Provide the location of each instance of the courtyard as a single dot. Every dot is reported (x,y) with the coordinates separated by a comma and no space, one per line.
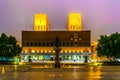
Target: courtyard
(69,72)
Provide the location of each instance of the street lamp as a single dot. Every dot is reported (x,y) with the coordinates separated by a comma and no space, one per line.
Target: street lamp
(57,49)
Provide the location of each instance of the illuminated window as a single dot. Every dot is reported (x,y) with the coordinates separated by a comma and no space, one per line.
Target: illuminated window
(49,51)
(69,51)
(41,51)
(81,51)
(26,51)
(45,51)
(53,51)
(33,51)
(65,51)
(75,39)
(61,51)
(37,51)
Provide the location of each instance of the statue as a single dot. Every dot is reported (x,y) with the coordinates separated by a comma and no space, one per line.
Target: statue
(86,55)
(56,43)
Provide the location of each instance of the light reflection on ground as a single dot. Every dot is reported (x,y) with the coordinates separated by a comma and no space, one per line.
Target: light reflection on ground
(36,72)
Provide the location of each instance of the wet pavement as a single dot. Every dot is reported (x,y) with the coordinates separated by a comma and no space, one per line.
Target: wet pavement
(36,72)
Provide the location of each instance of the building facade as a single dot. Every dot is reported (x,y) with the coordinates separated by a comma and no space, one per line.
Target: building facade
(74,43)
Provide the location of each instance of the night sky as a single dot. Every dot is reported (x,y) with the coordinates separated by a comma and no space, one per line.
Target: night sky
(99,16)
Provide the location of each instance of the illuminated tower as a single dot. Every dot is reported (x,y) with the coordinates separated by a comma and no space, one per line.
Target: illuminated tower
(41,22)
(74,22)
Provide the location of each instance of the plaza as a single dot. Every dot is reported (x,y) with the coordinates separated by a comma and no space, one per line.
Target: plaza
(80,72)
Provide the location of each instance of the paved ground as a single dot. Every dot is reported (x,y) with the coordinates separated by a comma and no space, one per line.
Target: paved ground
(36,72)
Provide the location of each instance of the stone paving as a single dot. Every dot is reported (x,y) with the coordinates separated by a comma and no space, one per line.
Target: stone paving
(36,72)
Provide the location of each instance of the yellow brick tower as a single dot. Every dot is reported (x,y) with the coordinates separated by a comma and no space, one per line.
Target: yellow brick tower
(74,22)
(41,22)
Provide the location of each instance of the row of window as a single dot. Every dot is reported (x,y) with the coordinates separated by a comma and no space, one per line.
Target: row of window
(45,51)
(41,27)
(50,44)
(75,27)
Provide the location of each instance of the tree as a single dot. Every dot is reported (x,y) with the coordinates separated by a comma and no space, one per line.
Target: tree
(9,47)
(109,46)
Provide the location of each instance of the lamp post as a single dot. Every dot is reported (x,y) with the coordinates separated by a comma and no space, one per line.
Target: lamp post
(57,49)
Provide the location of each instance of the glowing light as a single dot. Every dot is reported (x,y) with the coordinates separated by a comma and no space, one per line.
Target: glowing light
(37,51)
(26,51)
(65,51)
(41,51)
(81,51)
(61,51)
(69,51)
(49,51)
(33,51)
(53,51)
(45,51)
